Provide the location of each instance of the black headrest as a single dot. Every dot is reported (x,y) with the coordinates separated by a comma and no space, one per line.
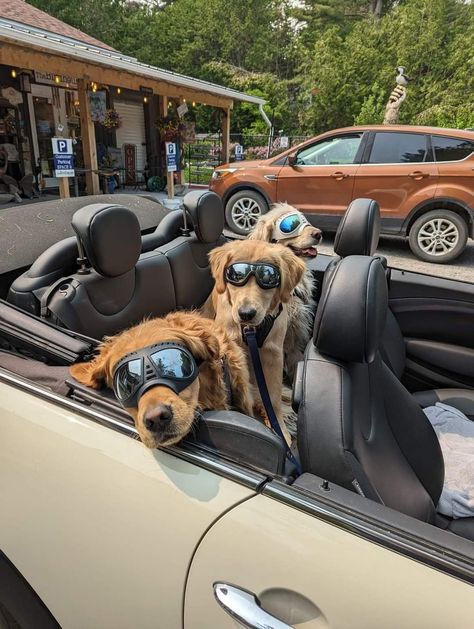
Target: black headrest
(351,314)
(359,230)
(207,214)
(110,235)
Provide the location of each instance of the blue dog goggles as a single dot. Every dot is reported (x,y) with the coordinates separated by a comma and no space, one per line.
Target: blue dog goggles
(168,364)
(289,225)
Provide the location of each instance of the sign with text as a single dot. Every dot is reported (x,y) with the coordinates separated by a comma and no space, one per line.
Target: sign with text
(182,110)
(130,159)
(239,152)
(284,142)
(171,157)
(63,157)
(60,80)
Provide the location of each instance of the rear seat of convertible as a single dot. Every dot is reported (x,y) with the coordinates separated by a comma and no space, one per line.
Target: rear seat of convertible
(106,283)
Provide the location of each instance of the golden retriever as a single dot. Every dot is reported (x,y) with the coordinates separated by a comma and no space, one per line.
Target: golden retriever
(301,306)
(163,417)
(236,306)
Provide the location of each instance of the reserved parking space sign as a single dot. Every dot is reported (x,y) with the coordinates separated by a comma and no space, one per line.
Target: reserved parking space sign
(63,157)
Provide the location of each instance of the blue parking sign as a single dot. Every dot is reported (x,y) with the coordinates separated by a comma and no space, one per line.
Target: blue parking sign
(171,157)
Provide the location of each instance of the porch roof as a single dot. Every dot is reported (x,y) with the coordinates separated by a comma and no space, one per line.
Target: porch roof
(91,54)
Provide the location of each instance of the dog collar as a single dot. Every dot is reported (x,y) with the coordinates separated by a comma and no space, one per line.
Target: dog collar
(264,328)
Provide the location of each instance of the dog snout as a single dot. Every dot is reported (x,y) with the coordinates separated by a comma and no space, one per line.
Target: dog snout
(317,235)
(158,418)
(247,313)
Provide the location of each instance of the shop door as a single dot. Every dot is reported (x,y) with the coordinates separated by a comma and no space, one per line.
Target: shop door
(132,131)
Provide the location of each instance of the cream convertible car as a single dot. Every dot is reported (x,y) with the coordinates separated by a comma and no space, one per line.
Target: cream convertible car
(96,531)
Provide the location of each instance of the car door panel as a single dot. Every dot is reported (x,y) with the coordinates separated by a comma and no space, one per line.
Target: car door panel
(102,528)
(436,316)
(309,573)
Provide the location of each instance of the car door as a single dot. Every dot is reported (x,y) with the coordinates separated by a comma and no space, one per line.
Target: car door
(399,172)
(308,572)
(436,317)
(322,180)
(100,527)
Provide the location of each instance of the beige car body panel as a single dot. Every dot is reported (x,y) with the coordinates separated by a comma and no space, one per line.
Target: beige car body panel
(311,575)
(102,528)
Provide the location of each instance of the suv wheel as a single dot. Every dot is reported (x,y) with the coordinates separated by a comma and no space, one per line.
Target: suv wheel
(243,210)
(438,236)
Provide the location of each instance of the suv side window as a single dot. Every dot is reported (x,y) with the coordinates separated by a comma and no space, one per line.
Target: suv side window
(451,149)
(341,149)
(399,148)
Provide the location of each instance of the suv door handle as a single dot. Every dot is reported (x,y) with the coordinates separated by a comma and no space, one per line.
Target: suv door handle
(417,174)
(339,175)
(245,607)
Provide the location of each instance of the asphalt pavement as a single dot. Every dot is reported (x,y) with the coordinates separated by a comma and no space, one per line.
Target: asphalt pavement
(399,255)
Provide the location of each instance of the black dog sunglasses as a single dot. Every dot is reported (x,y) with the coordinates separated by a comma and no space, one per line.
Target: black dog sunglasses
(266,275)
(168,364)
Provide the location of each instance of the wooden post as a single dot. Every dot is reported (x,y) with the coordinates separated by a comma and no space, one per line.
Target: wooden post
(64,187)
(225,134)
(88,140)
(169,176)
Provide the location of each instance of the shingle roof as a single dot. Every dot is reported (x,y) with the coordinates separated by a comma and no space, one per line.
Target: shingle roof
(24,13)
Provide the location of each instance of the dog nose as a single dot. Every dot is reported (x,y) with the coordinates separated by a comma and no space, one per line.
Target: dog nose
(317,235)
(158,417)
(247,313)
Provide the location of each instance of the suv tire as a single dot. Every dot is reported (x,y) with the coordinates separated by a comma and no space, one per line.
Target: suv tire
(243,210)
(438,236)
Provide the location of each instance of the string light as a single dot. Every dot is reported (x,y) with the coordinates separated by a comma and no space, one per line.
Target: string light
(13,73)
(57,79)
(194,104)
(184,100)
(145,99)
(118,90)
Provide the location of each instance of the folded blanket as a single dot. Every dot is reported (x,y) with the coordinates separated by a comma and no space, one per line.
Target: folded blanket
(456,438)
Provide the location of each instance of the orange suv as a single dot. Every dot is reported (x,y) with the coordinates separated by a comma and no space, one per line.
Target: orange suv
(422,177)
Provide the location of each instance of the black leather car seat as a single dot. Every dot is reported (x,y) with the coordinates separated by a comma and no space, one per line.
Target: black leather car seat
(188,255)
(117,286)
(357,425)
(358,234)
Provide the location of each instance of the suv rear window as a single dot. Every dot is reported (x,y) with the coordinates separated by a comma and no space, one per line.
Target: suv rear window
(398,148)
(451,149)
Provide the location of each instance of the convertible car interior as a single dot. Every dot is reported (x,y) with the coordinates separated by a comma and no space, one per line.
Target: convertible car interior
(386,343)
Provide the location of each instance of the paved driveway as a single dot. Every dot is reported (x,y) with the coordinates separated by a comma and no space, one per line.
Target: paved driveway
(399,255)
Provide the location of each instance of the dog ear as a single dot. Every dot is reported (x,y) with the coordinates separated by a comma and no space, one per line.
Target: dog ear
(92,374)
(219,259)
(293,269)
(263,230)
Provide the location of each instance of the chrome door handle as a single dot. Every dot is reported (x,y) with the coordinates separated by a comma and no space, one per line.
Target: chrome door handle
(245,607)
(339,175)
(417,174)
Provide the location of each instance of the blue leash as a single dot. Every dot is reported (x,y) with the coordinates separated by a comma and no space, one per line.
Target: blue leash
(250,336)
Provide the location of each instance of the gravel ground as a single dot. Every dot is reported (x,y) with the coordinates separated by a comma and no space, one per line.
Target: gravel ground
(399,255)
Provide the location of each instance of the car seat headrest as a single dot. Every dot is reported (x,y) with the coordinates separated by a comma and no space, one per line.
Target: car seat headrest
(207,214)
(351,314)
(359,230)
(110,236)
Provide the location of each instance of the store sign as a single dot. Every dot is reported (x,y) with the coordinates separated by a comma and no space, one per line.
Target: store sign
(129,158)
(171,157)
(63,157)
(182,110)
(49,78)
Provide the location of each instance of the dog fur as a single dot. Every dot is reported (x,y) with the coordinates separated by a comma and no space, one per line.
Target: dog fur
(226,300)
(206,341)
(301,306)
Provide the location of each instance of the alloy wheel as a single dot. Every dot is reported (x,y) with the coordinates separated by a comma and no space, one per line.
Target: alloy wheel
(438,236)
(245,213)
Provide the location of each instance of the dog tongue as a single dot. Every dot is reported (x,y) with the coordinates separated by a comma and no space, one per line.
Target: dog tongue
(311,252)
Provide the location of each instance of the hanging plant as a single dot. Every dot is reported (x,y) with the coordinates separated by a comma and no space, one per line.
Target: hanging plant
(112,120)
(171,128)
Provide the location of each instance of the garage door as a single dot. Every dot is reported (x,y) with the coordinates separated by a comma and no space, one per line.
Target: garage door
(132,129)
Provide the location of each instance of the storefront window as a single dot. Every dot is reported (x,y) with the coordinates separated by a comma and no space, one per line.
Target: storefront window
(44,116)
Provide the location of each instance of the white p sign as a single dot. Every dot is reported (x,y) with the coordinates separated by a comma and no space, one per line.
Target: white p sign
(62,146)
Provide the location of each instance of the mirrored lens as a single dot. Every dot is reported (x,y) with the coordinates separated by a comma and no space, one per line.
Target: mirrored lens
(290,223)
(267,275)
(128,378)
(173,363)
(238,273)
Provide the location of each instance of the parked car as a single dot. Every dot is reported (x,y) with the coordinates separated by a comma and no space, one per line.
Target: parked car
(96,531)
(422,177)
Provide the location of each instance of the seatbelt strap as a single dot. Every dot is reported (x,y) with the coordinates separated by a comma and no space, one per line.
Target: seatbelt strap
(45,297)
(251,340)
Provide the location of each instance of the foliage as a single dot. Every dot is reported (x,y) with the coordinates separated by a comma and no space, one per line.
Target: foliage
(319,64)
